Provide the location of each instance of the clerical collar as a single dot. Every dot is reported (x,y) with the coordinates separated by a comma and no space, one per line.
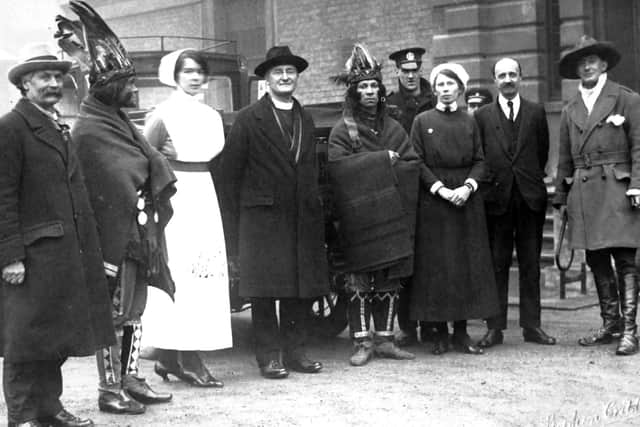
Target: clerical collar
(282,105)
(442,106)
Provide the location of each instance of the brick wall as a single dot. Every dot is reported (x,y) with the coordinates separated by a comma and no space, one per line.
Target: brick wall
(323,32)
(160,17)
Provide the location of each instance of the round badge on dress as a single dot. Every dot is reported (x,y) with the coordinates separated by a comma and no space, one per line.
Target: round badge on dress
(430,131)
(142,218)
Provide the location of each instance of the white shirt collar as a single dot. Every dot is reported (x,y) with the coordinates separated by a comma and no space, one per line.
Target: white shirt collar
(52,114)
(589,96)
(505,108)
(452,107)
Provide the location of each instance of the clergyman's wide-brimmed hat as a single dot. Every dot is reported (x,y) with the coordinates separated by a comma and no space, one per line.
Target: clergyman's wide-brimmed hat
(36,57)
(587,46)
(280,55)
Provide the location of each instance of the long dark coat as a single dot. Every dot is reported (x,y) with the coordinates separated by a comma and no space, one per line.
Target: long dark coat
(453,275)
(62,308)
(598,163)
(525,167)
(272,208)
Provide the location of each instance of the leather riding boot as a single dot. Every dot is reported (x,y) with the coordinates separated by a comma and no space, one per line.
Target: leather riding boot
(362,351)
(629,304)
(609,311)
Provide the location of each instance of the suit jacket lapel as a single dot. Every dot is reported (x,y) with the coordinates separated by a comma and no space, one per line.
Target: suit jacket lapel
(43,128)
(602,108)
(525,119)
(497,124)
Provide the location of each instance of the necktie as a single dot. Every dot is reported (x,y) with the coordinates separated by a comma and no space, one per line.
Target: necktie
(447,109)
(510,104)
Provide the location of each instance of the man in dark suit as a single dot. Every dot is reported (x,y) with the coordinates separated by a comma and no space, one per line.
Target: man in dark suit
(53,291)
(515,136)
(273,215)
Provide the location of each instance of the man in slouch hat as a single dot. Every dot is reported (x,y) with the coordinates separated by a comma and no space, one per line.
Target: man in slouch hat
(129,186)
(598,185)
(414,96)
(53,295)
(273,216)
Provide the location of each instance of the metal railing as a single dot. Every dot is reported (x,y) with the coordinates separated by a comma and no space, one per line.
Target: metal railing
(170,43)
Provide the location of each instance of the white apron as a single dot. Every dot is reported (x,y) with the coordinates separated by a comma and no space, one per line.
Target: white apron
(200,317)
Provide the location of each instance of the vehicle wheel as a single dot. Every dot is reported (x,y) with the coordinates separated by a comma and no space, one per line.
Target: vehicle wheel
(329,315)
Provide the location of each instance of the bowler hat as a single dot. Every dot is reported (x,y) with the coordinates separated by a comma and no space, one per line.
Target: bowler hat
(409,56)
(280,55)
(587,46)
(36,57)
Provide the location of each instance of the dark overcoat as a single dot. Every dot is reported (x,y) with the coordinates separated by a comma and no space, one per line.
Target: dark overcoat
(62,308)
(599,160)
(524,166)
(272,208)
(453,276)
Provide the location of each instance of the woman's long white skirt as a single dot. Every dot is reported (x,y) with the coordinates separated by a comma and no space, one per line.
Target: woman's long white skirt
(200,318)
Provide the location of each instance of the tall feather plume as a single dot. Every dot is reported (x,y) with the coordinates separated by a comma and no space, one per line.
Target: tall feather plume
(70,37)
(109,58)
(360,65)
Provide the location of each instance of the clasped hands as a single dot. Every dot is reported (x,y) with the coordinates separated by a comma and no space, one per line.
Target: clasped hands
(457,196)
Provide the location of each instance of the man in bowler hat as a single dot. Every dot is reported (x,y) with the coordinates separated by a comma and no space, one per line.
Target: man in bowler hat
(273,215)
(53,291)
(598,185)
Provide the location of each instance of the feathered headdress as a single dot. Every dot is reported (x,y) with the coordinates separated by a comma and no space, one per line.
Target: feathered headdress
(361,65)
(92,43)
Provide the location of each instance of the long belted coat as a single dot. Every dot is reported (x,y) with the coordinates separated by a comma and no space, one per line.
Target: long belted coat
(62,308)
(272,208)
(599,161)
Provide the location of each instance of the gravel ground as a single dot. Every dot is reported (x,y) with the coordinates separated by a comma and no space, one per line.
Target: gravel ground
(515,384)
